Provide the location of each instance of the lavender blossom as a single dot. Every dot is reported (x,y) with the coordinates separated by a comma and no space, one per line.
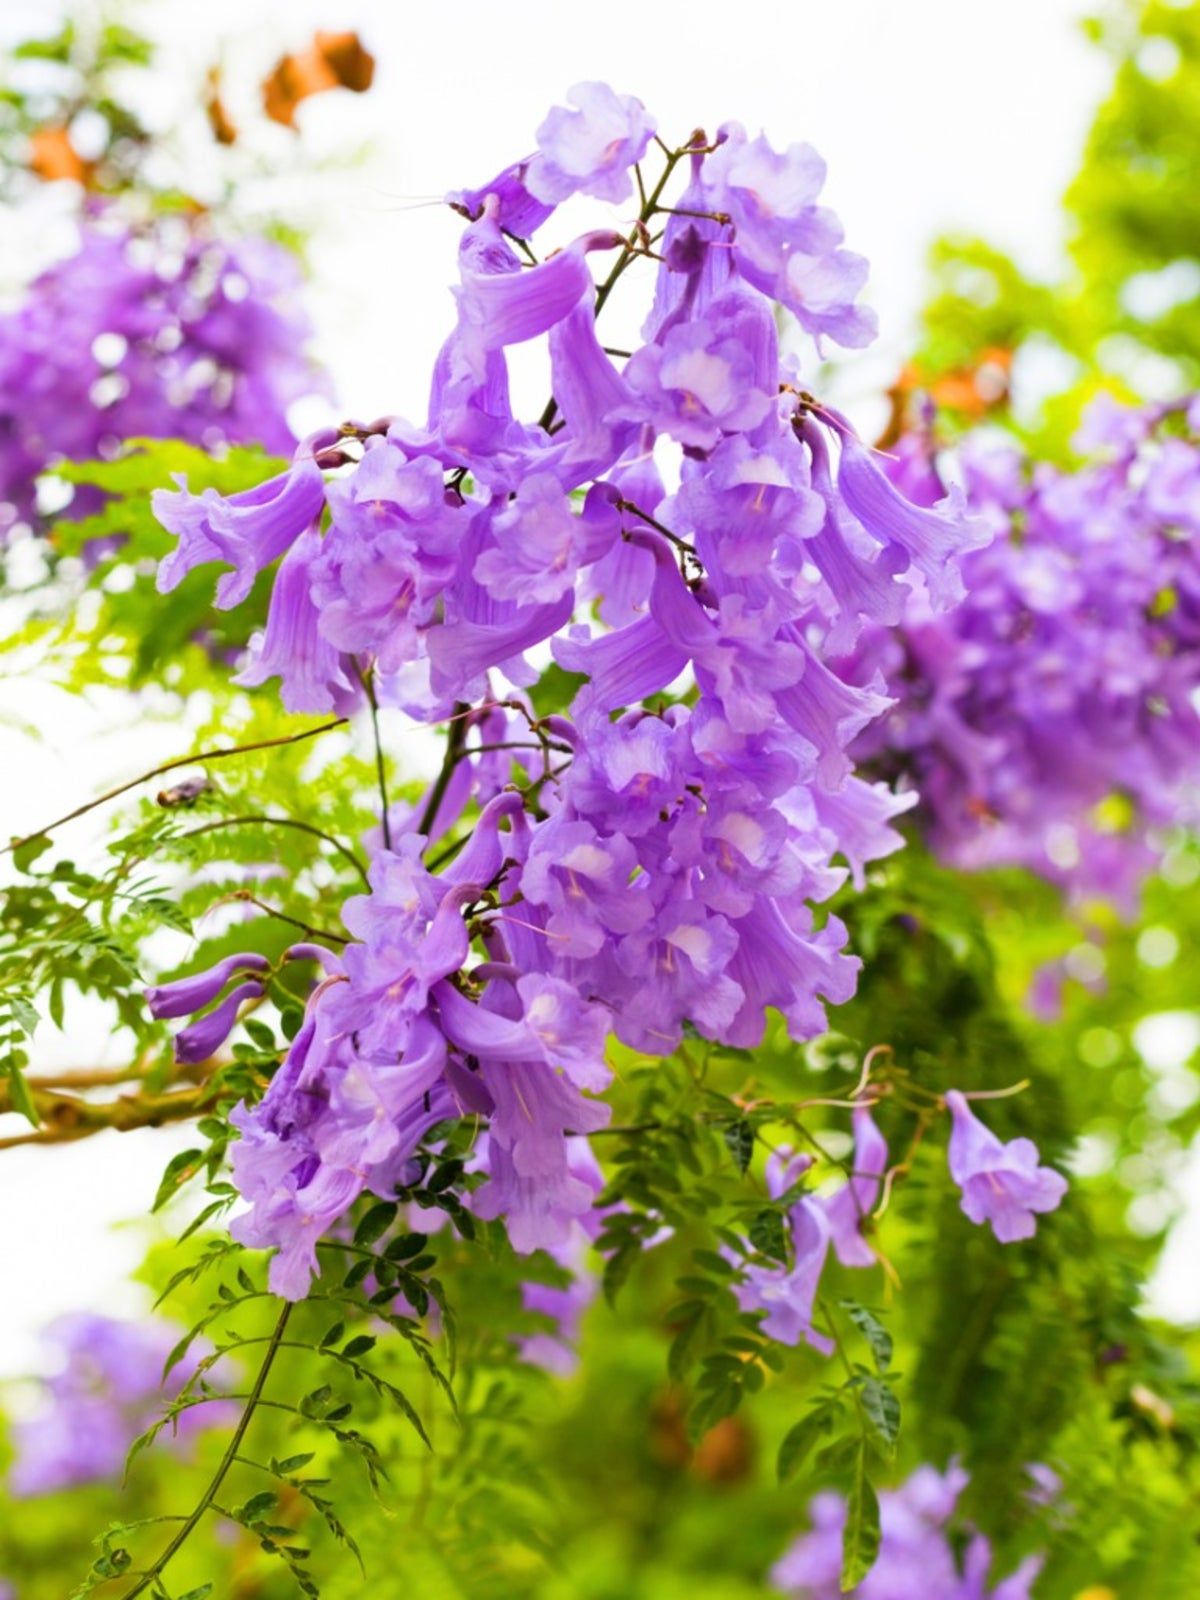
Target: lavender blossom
(108,1389)
(1001,1183)
(590,149)
(653,863)
(917,1553)
(162,331)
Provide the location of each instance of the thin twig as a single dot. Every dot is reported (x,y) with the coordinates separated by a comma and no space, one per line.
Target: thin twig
(454,744)
(227,1460)
(380,770)
(172,766)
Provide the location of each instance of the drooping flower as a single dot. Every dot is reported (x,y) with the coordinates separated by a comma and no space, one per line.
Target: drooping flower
(590,149)
(204,1037)
(848,1209)
(787,1293)
(1001,1183)
(247,531)
(183,996)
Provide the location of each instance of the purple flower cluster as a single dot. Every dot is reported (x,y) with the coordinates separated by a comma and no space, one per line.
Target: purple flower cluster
(108,1389)
(682,529)
(1050,720)
(918,1553)
(1001,1183)
(163,331)
(786,1295)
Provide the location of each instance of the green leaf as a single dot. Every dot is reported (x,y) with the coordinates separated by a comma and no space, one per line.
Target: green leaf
(24,1014)
(860,1542)
(873,1331)
(767,1235)
(801,1439)
(359,1345)
(27,852)
(376,1222)
(739,1140)
(167,913)
(555,689)
(260,1034)
(179,1169)
(447,1174)
(18,1089)
(679,1357)
(406,1245)
(883,1410)
(257,1506)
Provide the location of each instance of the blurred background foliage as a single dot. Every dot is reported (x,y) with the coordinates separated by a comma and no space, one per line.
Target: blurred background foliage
(602,1485)
(997,344)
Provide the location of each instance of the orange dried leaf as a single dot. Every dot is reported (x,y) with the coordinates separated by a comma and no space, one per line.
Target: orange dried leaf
(332,61)
(52,156)
(223,127)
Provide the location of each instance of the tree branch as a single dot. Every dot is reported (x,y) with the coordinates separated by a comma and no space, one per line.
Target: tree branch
(171,766)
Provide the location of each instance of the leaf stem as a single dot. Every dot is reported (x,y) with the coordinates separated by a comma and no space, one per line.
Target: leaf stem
(227,1460)
(281,822)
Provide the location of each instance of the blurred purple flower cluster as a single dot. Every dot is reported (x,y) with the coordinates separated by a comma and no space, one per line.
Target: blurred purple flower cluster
(109,1387)
(161,331)
(1050,720)
(918,1553)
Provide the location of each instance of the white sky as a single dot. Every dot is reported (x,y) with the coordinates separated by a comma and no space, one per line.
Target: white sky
(932,115)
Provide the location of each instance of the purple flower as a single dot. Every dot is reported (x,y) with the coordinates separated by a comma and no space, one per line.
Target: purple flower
(917,1552)
(1047,720)
(539,544)
(583,881)
(590,150)
(247,531)
(1001,1183)
(166,332)
(500,305)
(555,1349)
(516,211)
(313,675)
(109,1387)
(393,546)
(932,539)
(642,867)
(186,995)
(787,1294)
(716,375)
(204,1037)
(784,243)
(848,1209)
